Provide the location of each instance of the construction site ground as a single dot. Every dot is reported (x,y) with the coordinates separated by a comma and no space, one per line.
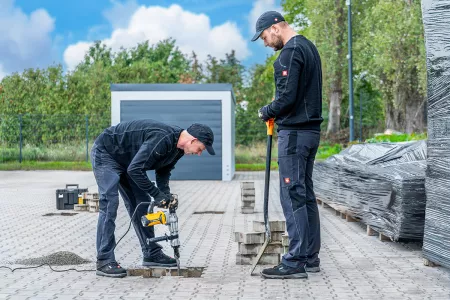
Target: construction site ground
(354,265)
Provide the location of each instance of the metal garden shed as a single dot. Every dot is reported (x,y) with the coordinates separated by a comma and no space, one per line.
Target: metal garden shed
(182,105)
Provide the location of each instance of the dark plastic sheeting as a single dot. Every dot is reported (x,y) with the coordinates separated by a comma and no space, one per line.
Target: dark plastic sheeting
(382,184)
(436,244)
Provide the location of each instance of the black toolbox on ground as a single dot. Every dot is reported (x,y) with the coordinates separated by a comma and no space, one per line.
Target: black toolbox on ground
(66,198)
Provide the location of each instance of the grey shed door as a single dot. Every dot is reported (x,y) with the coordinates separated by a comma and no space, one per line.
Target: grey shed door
(183,113)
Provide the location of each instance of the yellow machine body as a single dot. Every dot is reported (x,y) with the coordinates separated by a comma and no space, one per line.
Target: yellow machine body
(156,218)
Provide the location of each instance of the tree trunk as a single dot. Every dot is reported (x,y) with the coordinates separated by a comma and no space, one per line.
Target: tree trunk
(395,119)
(407,114)
(414,112)
(334,106)
(334,112)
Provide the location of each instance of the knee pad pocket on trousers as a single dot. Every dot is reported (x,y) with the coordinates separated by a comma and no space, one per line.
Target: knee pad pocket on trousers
(297,200)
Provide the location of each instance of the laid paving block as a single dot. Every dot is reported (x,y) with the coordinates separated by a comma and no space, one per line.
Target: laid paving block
(266,259)
(275,226)
(272,248)
(249,237)
(247,210)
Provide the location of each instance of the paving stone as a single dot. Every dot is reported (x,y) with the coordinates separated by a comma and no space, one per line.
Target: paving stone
(249,237)
(354,265)
(273,248)
(248,204)
(266,259)
(275,226)
(248,194)
(247,210)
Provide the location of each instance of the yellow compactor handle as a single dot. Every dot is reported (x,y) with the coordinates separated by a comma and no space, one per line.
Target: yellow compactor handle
(270,125)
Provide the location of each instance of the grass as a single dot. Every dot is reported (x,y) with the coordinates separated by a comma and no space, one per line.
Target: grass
(256,167)
(396,138)
(46,165)
(72,151)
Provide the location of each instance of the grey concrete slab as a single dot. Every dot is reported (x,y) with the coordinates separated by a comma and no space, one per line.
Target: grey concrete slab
(354,265)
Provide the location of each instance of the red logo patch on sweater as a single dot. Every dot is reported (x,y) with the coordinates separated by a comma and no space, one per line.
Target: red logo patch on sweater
(287,180)
(284,73)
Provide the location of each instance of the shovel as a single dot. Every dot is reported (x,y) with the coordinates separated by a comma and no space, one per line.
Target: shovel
(269,125)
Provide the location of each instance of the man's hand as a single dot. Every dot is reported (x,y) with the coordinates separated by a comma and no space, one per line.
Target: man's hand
(173,201)
(166,201)
(262,115)
(162,200)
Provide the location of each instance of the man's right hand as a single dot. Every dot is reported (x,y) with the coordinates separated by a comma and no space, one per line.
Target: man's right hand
(162,200)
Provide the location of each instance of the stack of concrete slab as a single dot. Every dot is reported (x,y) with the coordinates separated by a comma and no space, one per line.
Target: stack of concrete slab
(247,197)
(90,203)
(436,242)
(250,243)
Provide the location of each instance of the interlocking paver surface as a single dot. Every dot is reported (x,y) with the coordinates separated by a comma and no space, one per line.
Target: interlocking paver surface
(354,265)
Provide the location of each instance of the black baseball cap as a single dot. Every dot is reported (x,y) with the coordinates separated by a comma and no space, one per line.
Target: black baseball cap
(204,134)
(266,20)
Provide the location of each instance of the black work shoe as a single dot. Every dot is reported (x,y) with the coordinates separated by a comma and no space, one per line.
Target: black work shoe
(284,272)
(159,260)
(312,268)
(112,269)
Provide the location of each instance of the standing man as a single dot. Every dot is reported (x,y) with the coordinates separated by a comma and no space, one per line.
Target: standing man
(121,155)
(297,110)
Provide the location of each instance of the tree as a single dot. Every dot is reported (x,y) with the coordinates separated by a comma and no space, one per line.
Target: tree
(324,23)
(394,51)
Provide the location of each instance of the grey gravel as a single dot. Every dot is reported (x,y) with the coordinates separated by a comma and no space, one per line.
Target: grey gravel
(60,258)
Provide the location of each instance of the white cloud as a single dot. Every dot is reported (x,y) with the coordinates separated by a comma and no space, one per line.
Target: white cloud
(192,32)
(259,7)
(75,54)
(119,14)
(25,40)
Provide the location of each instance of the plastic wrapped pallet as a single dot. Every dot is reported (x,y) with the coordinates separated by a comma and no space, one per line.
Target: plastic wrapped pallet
(436,18)
(381,184)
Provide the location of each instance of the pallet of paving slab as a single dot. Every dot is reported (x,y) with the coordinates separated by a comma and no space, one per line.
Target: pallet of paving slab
(344,213)
(340,210)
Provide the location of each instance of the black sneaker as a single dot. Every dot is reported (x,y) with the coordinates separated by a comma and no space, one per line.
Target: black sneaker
(312,268)
(112,269)
(159,260)
(284,272)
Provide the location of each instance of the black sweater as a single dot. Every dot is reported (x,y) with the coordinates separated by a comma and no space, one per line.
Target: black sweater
(143,145)
(298,79)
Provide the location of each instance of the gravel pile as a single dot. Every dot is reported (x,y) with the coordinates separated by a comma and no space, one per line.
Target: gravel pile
(60,258)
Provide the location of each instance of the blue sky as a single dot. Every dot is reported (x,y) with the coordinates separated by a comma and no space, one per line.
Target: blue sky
(38,33)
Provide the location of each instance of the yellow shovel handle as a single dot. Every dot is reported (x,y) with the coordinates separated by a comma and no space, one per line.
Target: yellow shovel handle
(270,125)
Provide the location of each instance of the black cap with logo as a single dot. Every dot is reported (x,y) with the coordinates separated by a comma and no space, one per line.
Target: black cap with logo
(204,134)
(266,20)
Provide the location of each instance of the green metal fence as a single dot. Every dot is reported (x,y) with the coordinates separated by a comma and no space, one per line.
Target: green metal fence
(40,137)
